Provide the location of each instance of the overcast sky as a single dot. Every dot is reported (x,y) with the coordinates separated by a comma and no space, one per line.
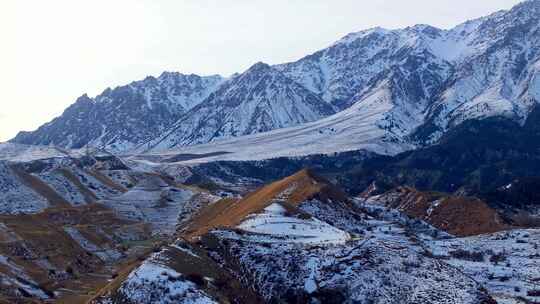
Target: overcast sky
(53,51)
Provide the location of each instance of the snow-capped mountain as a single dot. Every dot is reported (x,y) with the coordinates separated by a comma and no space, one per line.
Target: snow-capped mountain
(393,90)
(258,100)
(120,118)
(346,70)
(399,89)
(397,64)
(351,129)
(437,78)
(496,69)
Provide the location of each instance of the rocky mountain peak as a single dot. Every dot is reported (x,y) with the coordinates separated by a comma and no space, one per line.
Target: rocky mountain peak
(259,66)
(425,29)
(527,5)
(259,100)
(352,37)
(255,73)
(84,98)
(124,116)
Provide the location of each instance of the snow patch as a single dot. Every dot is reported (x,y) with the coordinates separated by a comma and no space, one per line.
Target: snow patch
(274,223)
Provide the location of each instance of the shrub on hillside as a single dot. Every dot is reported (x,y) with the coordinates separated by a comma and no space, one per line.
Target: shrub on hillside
(473,256)
(196,278)
(497,258)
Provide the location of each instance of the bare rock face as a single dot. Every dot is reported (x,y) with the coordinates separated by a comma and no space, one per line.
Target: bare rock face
(118,119)
(259,100)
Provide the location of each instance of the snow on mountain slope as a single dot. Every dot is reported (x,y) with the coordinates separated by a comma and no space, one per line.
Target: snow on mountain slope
(154,202)
(288,193)
(499,78)
(58,240)
(301,240)
(274,224)
(354,64)
(62,253)
(105,253)
(25,153)
(16,280)
(352,257)
(396,89)
(85,180)
(408,78)
(358,127)
(506,263)
(121,118)
(399,88)
(155,282)
(482,68)
(15,197)
(26,189)
(364,271)
(59,183)
(34,178)
(259,100)
(178,273)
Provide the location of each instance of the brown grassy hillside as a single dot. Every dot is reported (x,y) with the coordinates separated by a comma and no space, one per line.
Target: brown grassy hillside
(39,245)
(289,191)
(460,216)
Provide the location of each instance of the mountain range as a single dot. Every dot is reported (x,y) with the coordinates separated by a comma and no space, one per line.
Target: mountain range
(400,88)
(394,166)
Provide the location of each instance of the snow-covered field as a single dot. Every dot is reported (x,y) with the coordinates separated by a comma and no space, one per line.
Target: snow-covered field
(25,153)
(355,128)
(277,227)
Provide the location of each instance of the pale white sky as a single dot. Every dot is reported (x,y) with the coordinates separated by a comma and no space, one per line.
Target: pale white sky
(53,51)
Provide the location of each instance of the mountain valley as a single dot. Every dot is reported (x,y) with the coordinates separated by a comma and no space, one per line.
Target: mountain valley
(394,166)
